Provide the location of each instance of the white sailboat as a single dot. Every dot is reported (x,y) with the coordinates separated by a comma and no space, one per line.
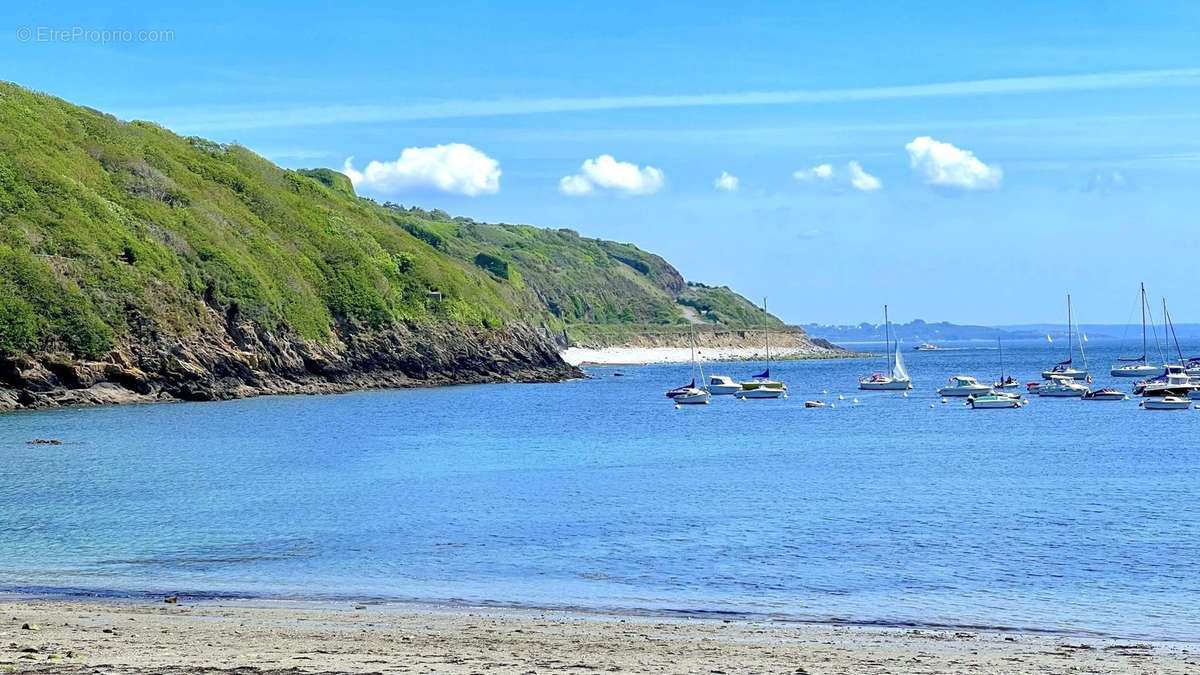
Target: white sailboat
(897,378)
(691,394)
(761,385)
(1136,367)
(1066,368)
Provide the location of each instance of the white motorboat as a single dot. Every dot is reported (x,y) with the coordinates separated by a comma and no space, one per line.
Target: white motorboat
(815,404)
(1174,382)
(1062,387)
(1136,366)
(926,347)
(1067,368)
(1106,394)
(1166,403)
(964,385)
(720,385)
(993,400)
(896,378)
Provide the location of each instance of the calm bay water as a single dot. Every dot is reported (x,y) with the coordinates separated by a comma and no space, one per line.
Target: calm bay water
(1065,515)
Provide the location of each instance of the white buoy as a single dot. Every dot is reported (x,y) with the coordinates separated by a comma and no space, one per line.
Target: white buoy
(841,398)
(832,405)
(943,400)
(678,407)
(905,394)
(932,405)
(824,391)
(855,401)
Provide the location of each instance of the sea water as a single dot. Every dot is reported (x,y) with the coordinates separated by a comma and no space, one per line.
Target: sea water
(599,494)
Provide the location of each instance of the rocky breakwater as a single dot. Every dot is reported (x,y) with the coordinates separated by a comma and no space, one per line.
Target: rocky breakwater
(234,361)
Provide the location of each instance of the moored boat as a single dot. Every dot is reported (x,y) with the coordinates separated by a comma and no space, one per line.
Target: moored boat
(721,385)
(897,378)
(963,385)
(1166,403)
(1067,368)
(1062,387)
(761,385)
(1136,366)
(690,394)
(926,347)
(993,400)
(1106,394)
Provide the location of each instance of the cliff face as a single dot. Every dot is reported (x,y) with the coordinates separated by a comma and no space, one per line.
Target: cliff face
(244,360)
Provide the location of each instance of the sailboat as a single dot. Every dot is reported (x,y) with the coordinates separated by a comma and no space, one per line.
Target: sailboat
(897,376)
(1175,381)
(690,394)
(1137,366)
(1005,381)
(1066,368)
(761,385)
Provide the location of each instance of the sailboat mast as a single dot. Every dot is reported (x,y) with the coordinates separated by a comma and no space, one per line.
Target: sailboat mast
(1143,322)
(887,342)
(768,331)
(1001,348)
(1070,335)
(1174,335)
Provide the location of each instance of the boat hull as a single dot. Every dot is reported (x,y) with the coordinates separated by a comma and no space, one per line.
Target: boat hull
(962,392)
(1166,404)
(762,392)
(1135,371)
(1071,374)
(724,389)
(1105,397)
(888,385)
(1062,393)
(996,402)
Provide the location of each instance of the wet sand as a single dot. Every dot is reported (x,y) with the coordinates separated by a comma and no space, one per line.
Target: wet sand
(153,637)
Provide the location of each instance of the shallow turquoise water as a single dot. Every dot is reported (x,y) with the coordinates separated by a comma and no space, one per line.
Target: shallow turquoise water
(599,494)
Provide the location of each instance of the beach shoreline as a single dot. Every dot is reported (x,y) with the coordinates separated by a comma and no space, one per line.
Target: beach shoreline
(150,637)
(636,356)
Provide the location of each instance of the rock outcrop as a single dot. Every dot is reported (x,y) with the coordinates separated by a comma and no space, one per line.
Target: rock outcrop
(245,360)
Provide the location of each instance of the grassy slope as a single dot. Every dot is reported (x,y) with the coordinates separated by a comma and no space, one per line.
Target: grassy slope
(106,225)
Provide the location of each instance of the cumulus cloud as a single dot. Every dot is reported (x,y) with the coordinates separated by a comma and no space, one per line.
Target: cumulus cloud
(945,165)
(820,172)
(860,179)
(727,182)
(454,168)
(825,174)
(605,172)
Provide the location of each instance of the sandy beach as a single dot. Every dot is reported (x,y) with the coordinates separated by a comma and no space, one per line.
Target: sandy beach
(624,356)
(155,637)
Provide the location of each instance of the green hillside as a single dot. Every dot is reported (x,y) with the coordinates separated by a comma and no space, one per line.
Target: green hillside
(122,233)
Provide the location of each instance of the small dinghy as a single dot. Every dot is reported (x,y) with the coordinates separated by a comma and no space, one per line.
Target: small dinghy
(1166,403)
(815,404)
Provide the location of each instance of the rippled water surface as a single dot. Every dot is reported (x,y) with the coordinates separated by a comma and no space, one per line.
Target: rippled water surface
(1065,515)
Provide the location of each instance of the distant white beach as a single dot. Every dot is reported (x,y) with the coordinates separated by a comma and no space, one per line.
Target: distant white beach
(643,355)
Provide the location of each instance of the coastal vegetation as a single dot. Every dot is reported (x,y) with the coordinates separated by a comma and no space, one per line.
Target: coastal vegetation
(119,237)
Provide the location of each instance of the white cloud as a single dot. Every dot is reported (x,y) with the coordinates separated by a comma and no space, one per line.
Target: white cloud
(860,179)
(727,182)
(606,172)
(945,165)
(455,168)
(575,185)
(825,174)
(820,172)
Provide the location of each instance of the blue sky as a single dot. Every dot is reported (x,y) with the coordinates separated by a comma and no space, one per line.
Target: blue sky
(1063,148)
